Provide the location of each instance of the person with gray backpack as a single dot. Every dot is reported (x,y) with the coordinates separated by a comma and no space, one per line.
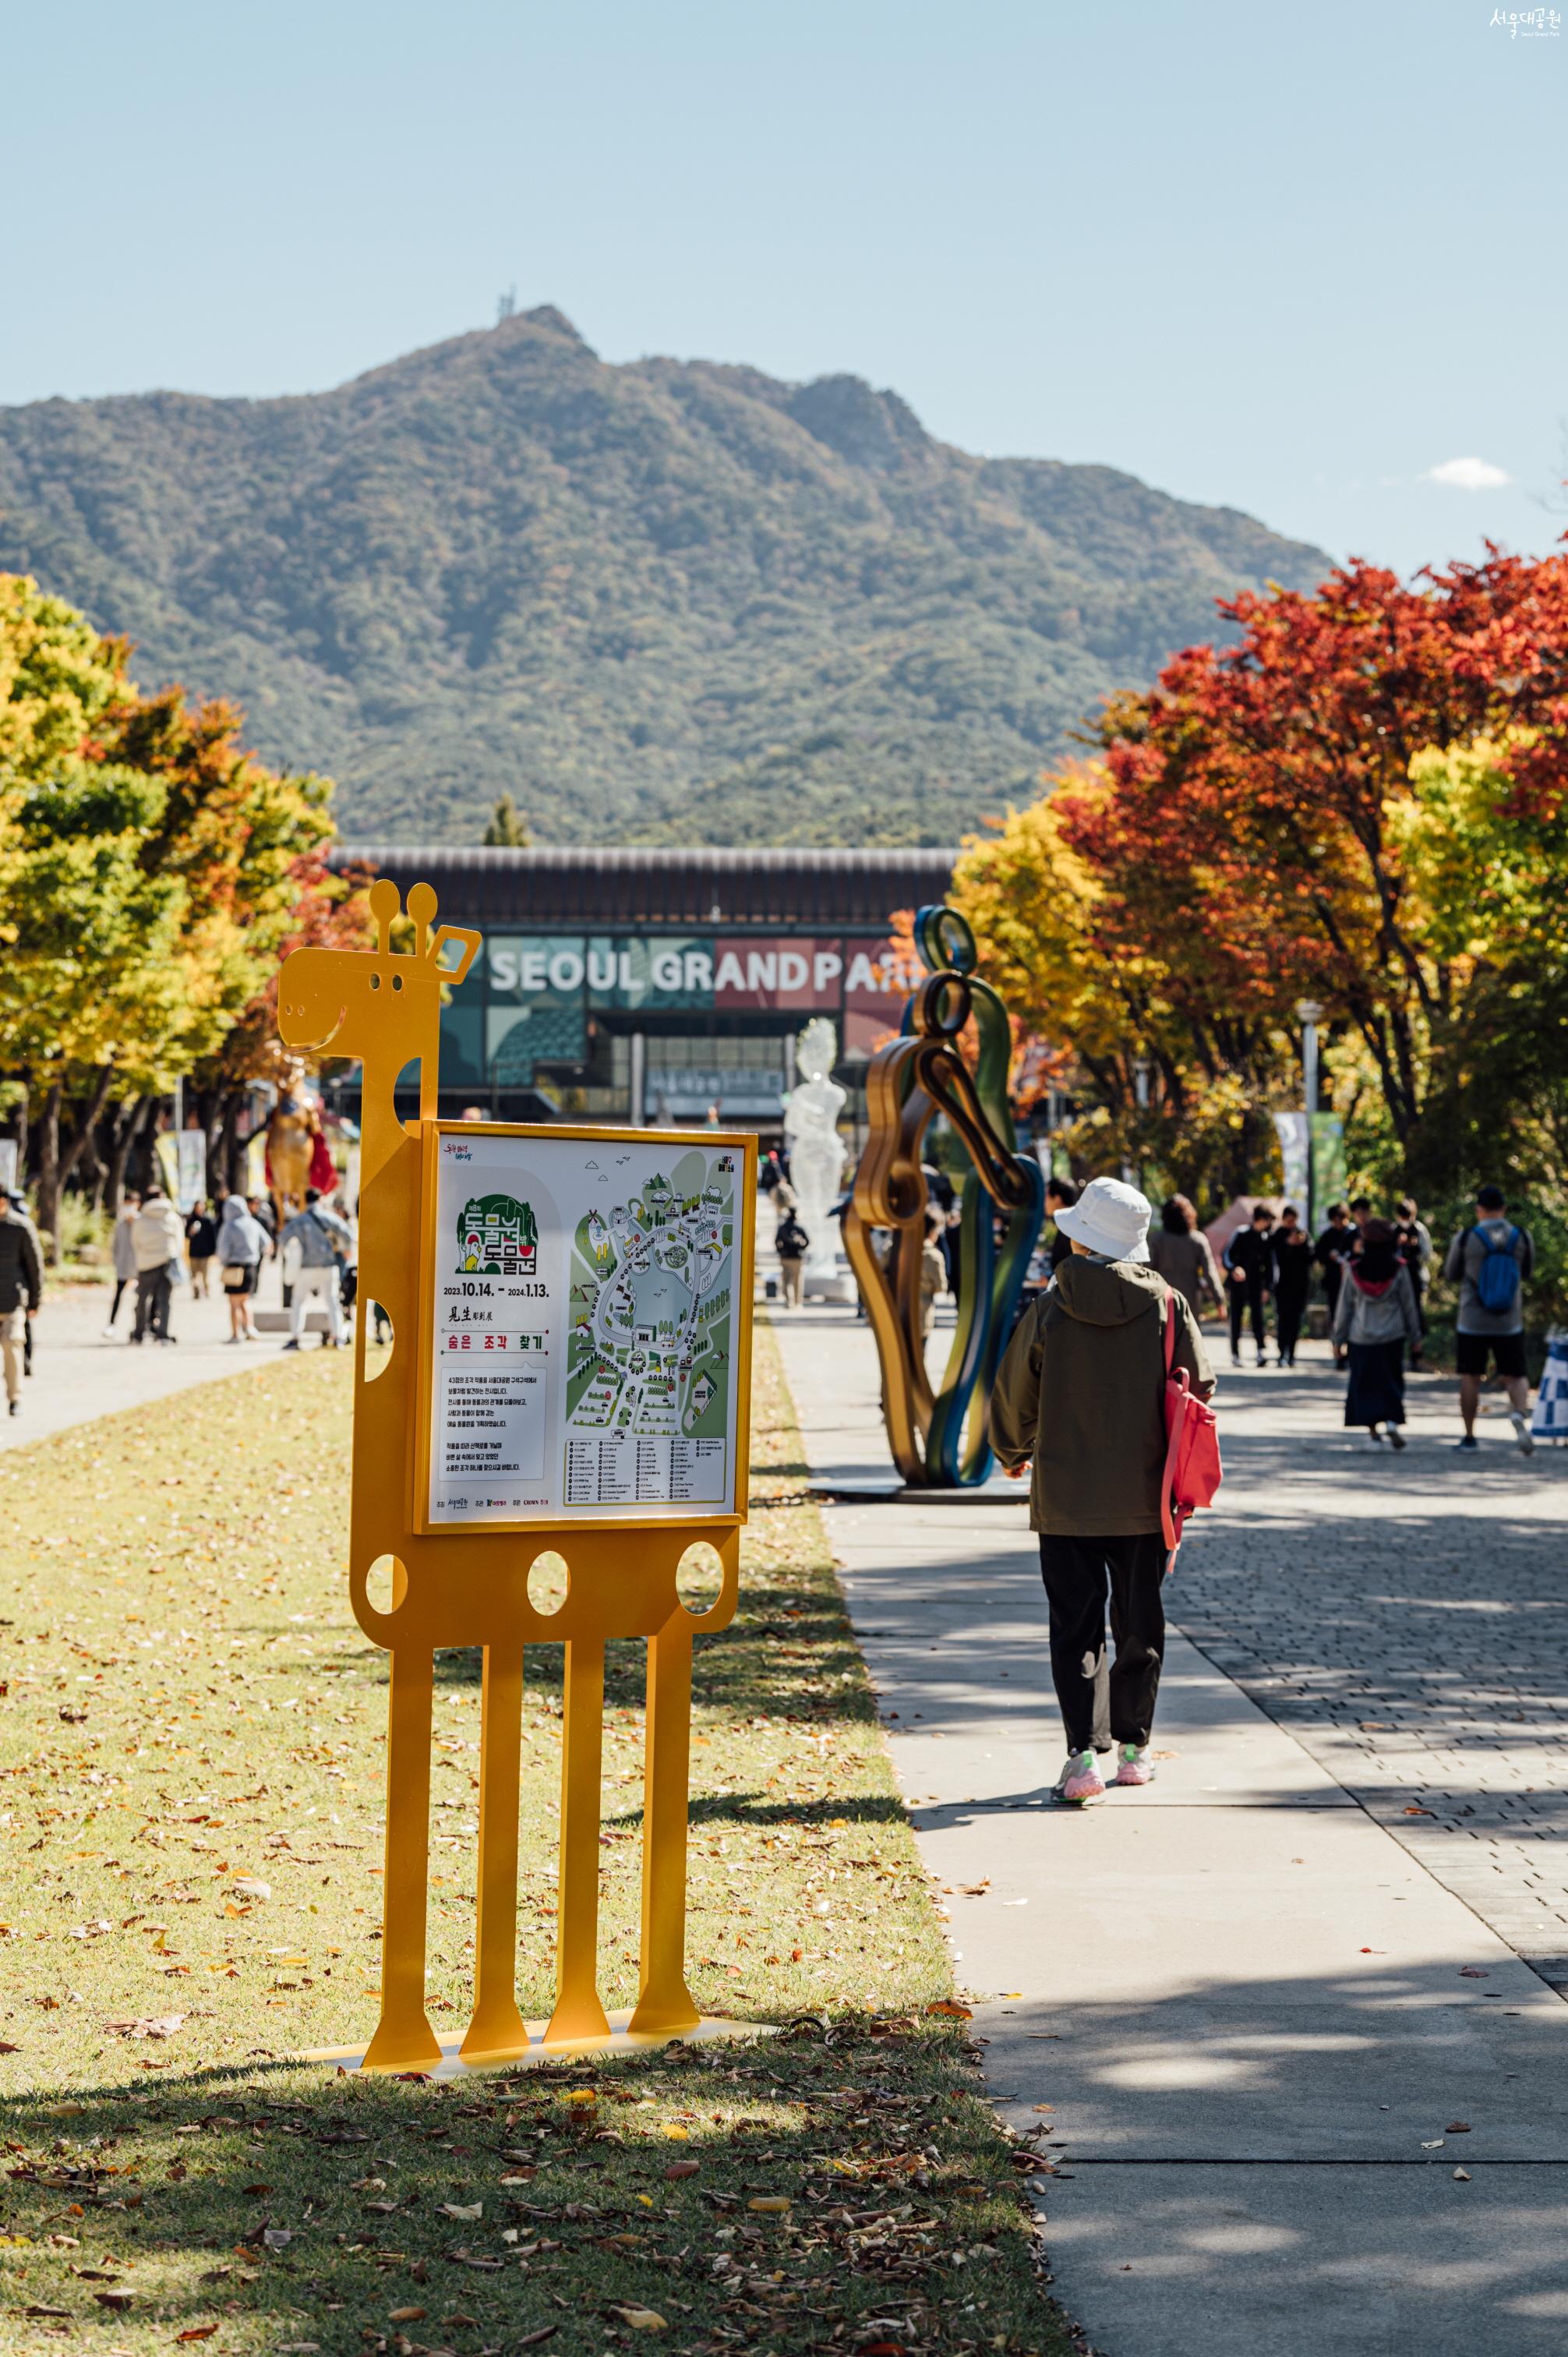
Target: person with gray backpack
(1491,1262)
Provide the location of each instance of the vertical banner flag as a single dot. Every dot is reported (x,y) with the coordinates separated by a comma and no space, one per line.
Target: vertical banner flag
(192,1168)
(1328,1159)
(1292,1135)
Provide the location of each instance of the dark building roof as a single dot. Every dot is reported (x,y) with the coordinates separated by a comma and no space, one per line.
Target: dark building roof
(556,885)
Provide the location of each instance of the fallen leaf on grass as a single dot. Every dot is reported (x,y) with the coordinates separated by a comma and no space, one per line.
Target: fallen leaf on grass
(405,2315)
(115,2300)
(277,2238)
(255,2192)
(673,2128)
(950,2005)
(544,2333)
(158,2025)
(642,2319)
(774,2202)
(197,2333)
(462,2209)
(679,2168)
(7,2047)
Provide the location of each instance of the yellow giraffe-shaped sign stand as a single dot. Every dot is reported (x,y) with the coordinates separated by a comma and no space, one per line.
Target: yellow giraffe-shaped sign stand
(454,1585)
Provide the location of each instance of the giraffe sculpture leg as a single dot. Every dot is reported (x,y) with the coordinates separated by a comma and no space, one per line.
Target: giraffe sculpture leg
(496,2032)
(665,2002)
(578,2012)
(404,2040)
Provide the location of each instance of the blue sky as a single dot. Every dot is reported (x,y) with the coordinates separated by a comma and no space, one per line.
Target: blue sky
(1285,259)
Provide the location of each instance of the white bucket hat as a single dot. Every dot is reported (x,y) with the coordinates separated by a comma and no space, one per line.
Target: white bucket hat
(1108,1218)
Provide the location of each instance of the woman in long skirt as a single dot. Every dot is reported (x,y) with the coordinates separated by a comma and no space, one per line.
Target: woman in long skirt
(1376,1315)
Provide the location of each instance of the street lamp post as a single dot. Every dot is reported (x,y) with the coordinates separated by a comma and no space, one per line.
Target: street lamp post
(1310,1012)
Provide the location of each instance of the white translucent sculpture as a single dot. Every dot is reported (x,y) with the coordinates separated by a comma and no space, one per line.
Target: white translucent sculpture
(817,1153)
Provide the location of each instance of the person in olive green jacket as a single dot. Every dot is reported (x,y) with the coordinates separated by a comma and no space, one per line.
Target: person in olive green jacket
(1081,1393)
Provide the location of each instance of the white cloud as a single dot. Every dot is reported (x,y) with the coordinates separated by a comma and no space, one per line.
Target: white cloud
(1467,475)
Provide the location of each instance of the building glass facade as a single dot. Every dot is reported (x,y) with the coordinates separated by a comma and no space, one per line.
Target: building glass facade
(661,986)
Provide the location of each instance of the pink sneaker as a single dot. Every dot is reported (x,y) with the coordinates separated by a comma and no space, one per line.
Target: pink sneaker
(1080,1780)
(1134,1765)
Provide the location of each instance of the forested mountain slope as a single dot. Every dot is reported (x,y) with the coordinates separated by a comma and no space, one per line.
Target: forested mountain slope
(666,601)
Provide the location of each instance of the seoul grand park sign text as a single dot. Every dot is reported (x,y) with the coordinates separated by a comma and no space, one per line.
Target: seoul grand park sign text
(747,973)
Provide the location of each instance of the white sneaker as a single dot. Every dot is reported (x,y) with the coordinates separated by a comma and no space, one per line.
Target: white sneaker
(109,1335)
(1134,1765)
(1521,1433)
(1080,1780)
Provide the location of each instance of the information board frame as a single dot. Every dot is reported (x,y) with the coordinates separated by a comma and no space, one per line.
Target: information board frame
(689,1518)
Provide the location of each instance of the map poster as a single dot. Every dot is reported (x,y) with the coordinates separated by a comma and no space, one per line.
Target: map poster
(589,1314)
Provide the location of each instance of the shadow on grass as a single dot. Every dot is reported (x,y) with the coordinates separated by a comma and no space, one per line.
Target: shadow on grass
(406,2214)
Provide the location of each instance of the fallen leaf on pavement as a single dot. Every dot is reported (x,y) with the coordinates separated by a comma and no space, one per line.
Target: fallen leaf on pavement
(1461,2176)
(1457,2128)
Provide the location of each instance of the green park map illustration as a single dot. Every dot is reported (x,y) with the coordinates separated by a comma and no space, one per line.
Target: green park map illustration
(651,1303)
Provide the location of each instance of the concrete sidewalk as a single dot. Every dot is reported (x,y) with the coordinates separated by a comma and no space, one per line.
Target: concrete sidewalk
(1268,2035)
(79,1375)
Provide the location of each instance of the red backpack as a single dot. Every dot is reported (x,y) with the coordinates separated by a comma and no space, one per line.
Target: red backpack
(1193,1471)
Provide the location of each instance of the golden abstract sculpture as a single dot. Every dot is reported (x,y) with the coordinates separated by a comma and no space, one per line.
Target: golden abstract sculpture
(457,1586)
(293,1128)
(938,1438)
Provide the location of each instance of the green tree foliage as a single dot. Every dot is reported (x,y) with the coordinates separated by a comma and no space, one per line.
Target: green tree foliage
(689,603)
(150,871)
(507,829)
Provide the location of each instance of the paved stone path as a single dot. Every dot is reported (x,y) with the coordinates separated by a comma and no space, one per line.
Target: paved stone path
(79,1375)
(1406,1617)
(1298,2085)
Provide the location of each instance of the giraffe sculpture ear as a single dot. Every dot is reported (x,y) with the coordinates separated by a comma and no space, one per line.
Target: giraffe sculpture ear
(467,942)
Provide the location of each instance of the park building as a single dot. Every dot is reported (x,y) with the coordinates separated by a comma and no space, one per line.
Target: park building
(660,985)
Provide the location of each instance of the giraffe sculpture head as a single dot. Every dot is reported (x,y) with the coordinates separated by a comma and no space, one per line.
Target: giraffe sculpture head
(380,1003)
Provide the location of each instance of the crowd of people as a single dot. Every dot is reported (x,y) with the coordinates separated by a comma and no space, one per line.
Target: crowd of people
(1082,1399)
(157,1252)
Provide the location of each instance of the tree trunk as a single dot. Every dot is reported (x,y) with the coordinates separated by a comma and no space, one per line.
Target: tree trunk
(22,1136)
(135,1113)
(48,1176)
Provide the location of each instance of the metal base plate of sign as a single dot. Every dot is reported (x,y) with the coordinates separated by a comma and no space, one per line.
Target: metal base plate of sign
(620,2039)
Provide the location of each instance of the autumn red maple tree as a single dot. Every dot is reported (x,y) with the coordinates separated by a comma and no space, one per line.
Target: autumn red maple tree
(1244,848)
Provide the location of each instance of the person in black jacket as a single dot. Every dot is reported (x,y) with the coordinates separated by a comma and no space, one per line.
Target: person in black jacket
(1293,1280)
(1060,1196)
(1331,1252)
(1250,1272)
(21,1290)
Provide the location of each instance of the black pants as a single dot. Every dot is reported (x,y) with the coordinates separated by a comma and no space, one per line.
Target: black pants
(1245,1297)
(119,1297)
(152,1293)
(1290,1309)
(1103,1704)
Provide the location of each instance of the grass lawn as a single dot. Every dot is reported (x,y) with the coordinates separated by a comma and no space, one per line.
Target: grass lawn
(187,1706)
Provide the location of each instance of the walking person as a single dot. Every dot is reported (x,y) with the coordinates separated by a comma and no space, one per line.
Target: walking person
(122,1254)
(933,1270)
(1249,1272)
(1060,1196)
(791,1244)
(21,1292)
(201,1244)
(1375,1318)
(1331,1253)
(1492,1261)
(240,1247)
(157,1237)
(322,1241)
(1413,1240)
(1293,1251)
(1184,1256)
(1082,1393)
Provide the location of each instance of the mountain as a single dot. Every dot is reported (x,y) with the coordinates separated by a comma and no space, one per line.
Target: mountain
(668,601)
